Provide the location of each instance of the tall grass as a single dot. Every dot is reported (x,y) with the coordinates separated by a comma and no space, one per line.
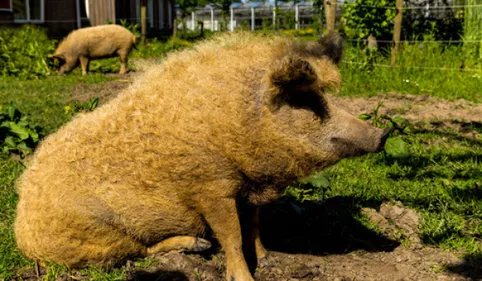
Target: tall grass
(473,31)
(423,67)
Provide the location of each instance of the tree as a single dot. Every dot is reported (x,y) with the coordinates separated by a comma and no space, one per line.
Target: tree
(185,7)
(369,17)
(319,15)
(225,7)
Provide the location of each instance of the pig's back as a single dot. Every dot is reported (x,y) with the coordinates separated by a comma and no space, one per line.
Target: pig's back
(101,41)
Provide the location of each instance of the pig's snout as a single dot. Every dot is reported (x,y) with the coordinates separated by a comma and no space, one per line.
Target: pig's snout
(361,142)
(383,140)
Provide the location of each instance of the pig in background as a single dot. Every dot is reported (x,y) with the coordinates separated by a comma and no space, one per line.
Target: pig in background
(232,121)
(96,42)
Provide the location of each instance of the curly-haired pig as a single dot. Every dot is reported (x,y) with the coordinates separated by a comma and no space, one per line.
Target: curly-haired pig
(236,118)
(85,44)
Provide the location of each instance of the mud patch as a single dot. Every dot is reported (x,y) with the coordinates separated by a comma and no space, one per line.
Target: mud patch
(106,91)
(413,107)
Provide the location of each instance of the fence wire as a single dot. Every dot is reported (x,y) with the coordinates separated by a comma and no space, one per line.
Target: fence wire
(416,67)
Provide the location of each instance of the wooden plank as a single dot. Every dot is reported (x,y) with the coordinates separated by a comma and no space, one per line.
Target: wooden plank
(330,13)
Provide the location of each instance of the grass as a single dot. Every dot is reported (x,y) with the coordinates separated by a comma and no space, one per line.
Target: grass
(44,99)
(10,257)
(422,68)
(441,178)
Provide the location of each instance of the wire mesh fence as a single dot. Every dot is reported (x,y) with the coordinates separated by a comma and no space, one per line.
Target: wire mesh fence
(306,16)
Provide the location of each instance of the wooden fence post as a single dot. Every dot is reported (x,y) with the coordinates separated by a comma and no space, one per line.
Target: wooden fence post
(330,14)
(396,32)
(143,22)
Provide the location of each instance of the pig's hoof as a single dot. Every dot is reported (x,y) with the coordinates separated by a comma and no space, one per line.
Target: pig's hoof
(201,245)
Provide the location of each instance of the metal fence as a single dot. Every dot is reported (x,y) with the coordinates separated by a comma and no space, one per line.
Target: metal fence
(253,15)
(257,15)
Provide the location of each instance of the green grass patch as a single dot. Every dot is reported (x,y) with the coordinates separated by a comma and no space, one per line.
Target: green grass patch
(44,99)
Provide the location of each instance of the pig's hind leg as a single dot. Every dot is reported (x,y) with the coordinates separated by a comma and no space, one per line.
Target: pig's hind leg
(123,60)
(261,252)
(179,243)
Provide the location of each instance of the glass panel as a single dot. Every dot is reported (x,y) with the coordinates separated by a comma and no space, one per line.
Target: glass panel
(35,9)
(161,14)
(138,11)
(5,4)
(169,13)
(150,12)
(20,9)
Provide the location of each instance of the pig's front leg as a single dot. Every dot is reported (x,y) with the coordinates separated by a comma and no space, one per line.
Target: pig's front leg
(222,216)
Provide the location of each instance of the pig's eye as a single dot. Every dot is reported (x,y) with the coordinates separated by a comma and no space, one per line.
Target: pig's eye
(306,100)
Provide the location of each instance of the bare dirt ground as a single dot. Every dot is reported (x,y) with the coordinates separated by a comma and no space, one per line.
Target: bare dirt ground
(313,242)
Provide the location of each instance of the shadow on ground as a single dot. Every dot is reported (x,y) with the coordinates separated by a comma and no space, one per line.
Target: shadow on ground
(158,275)
(319,229)
(470,268)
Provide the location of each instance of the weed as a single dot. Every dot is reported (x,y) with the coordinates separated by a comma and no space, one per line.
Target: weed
(79,107)
(17,134)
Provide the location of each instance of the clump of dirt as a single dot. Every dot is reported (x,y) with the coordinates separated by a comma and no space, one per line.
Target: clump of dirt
(175,266)
(396,222)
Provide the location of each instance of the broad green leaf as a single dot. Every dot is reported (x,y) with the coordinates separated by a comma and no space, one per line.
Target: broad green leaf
(400,121)
(396,147)
(24,148)
(318,180)
(5,124)
(365,116)
(19,130)
(11,111)
(34,135)
(9,142)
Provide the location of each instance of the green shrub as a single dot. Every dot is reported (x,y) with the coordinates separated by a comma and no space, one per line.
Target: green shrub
(17,134)
(156,49)
(175,44)
(24,52)
(365,17)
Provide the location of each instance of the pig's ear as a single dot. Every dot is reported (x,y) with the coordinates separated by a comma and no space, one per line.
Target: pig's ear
(332,46)
(292,73)
(295,83)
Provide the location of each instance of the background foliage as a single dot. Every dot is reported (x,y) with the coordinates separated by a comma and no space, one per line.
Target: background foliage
(24,52)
